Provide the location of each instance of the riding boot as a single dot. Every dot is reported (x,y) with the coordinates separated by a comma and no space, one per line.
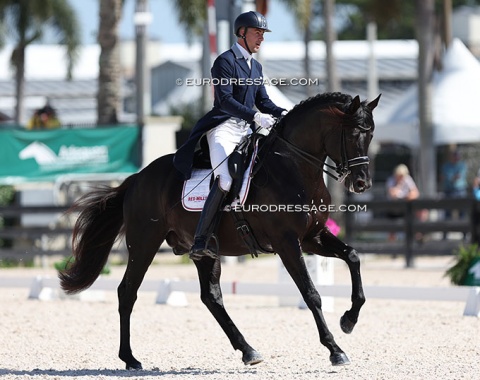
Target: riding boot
(208,223)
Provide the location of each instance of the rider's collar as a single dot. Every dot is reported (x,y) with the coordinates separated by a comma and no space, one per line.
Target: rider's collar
(240,51)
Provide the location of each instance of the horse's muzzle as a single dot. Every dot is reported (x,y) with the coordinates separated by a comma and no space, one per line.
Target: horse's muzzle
(358,185)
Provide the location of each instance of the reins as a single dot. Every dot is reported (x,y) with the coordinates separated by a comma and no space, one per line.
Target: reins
(342,169)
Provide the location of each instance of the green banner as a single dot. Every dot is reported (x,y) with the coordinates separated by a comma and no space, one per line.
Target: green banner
(46,155)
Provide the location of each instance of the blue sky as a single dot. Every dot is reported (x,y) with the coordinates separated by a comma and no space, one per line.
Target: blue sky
(165,25)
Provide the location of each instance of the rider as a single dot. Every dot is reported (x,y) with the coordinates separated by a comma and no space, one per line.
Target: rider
(238,88)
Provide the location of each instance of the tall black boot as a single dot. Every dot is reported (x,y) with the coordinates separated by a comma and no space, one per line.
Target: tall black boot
(208,223)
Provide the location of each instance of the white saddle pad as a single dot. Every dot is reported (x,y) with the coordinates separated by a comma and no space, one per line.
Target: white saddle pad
(196,189)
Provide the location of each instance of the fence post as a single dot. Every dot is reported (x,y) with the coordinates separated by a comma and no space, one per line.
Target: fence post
(348,221)
(350,218)
(475,222)
(409,215)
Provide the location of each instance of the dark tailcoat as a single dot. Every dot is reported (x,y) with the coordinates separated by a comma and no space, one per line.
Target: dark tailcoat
(239,89)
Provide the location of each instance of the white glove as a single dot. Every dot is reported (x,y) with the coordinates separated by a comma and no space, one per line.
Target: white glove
(284,113)
(264,120)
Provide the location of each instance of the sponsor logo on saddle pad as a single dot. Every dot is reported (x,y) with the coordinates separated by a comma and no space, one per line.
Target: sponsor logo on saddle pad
(196,189)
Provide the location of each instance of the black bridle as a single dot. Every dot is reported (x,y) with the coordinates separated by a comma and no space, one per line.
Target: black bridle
(342,169)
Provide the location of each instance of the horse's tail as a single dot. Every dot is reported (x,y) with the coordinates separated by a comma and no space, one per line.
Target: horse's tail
(95,231)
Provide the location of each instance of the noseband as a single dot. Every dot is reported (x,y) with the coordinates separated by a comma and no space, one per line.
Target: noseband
(342,169)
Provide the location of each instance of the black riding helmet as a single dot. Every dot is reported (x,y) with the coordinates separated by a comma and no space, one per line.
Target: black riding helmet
(250,20)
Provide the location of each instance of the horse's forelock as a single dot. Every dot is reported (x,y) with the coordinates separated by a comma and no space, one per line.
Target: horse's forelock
(364,117)
(361,118)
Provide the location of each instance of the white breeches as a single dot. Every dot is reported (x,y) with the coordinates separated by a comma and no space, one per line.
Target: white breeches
(222,140)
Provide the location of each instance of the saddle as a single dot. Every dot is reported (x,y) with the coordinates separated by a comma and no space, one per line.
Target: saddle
(240,161)
(201,157)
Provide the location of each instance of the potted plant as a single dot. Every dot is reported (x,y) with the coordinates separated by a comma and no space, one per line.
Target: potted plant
(463,272)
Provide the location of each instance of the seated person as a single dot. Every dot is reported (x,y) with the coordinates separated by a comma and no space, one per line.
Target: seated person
(402,186)
(44,118)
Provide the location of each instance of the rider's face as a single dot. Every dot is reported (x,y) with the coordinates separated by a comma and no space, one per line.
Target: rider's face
(254,39)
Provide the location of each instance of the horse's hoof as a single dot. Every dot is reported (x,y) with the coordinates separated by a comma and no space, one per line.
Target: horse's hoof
(252,357)
(339,359)
(346,324)
(134,366)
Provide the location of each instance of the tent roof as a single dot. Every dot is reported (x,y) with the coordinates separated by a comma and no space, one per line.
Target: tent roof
(456,90)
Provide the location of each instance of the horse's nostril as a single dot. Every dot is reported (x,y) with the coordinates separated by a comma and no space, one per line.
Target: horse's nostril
(360,183)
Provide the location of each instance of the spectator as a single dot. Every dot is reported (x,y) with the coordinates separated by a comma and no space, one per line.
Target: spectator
(476,186)
(401,185)
(454,176)
(454,182)
(44,118)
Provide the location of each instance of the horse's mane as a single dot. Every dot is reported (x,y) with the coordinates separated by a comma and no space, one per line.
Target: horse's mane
(336,103)
(338,99)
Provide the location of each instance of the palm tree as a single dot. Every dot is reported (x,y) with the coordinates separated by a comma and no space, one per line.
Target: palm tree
(425,13)
(192,15)
(24,21)
(333,82)
(303,11)
(108,96)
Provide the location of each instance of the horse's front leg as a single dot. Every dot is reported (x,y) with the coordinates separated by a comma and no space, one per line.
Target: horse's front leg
(329,245)
(290,252)
(209,271)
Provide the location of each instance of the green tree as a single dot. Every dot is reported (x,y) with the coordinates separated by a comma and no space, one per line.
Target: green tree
(395,19)
(192,15)
(304,14)
(24,22)
(7,197)
(108,96)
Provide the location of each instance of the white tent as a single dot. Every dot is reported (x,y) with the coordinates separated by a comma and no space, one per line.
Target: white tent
(455,104)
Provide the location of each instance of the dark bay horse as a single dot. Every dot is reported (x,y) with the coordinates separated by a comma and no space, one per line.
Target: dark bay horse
(146,208)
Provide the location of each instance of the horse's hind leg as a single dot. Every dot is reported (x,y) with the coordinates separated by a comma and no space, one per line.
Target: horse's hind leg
(332,246)
(142,249)
(209,271)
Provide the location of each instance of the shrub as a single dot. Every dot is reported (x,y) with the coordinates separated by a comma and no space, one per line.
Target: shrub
(465,257)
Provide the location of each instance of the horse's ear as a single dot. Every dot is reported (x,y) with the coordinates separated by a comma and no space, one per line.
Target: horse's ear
(374,103)
(355,105)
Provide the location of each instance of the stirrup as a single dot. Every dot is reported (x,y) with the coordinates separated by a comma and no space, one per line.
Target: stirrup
(202,248)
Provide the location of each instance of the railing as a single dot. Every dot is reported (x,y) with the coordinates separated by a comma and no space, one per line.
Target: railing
(36,240)
(31,240)
(360,229)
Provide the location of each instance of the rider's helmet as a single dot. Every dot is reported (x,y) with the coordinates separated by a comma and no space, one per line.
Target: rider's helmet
(250,20)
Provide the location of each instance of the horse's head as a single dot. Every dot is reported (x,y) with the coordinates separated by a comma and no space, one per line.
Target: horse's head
(348,146)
